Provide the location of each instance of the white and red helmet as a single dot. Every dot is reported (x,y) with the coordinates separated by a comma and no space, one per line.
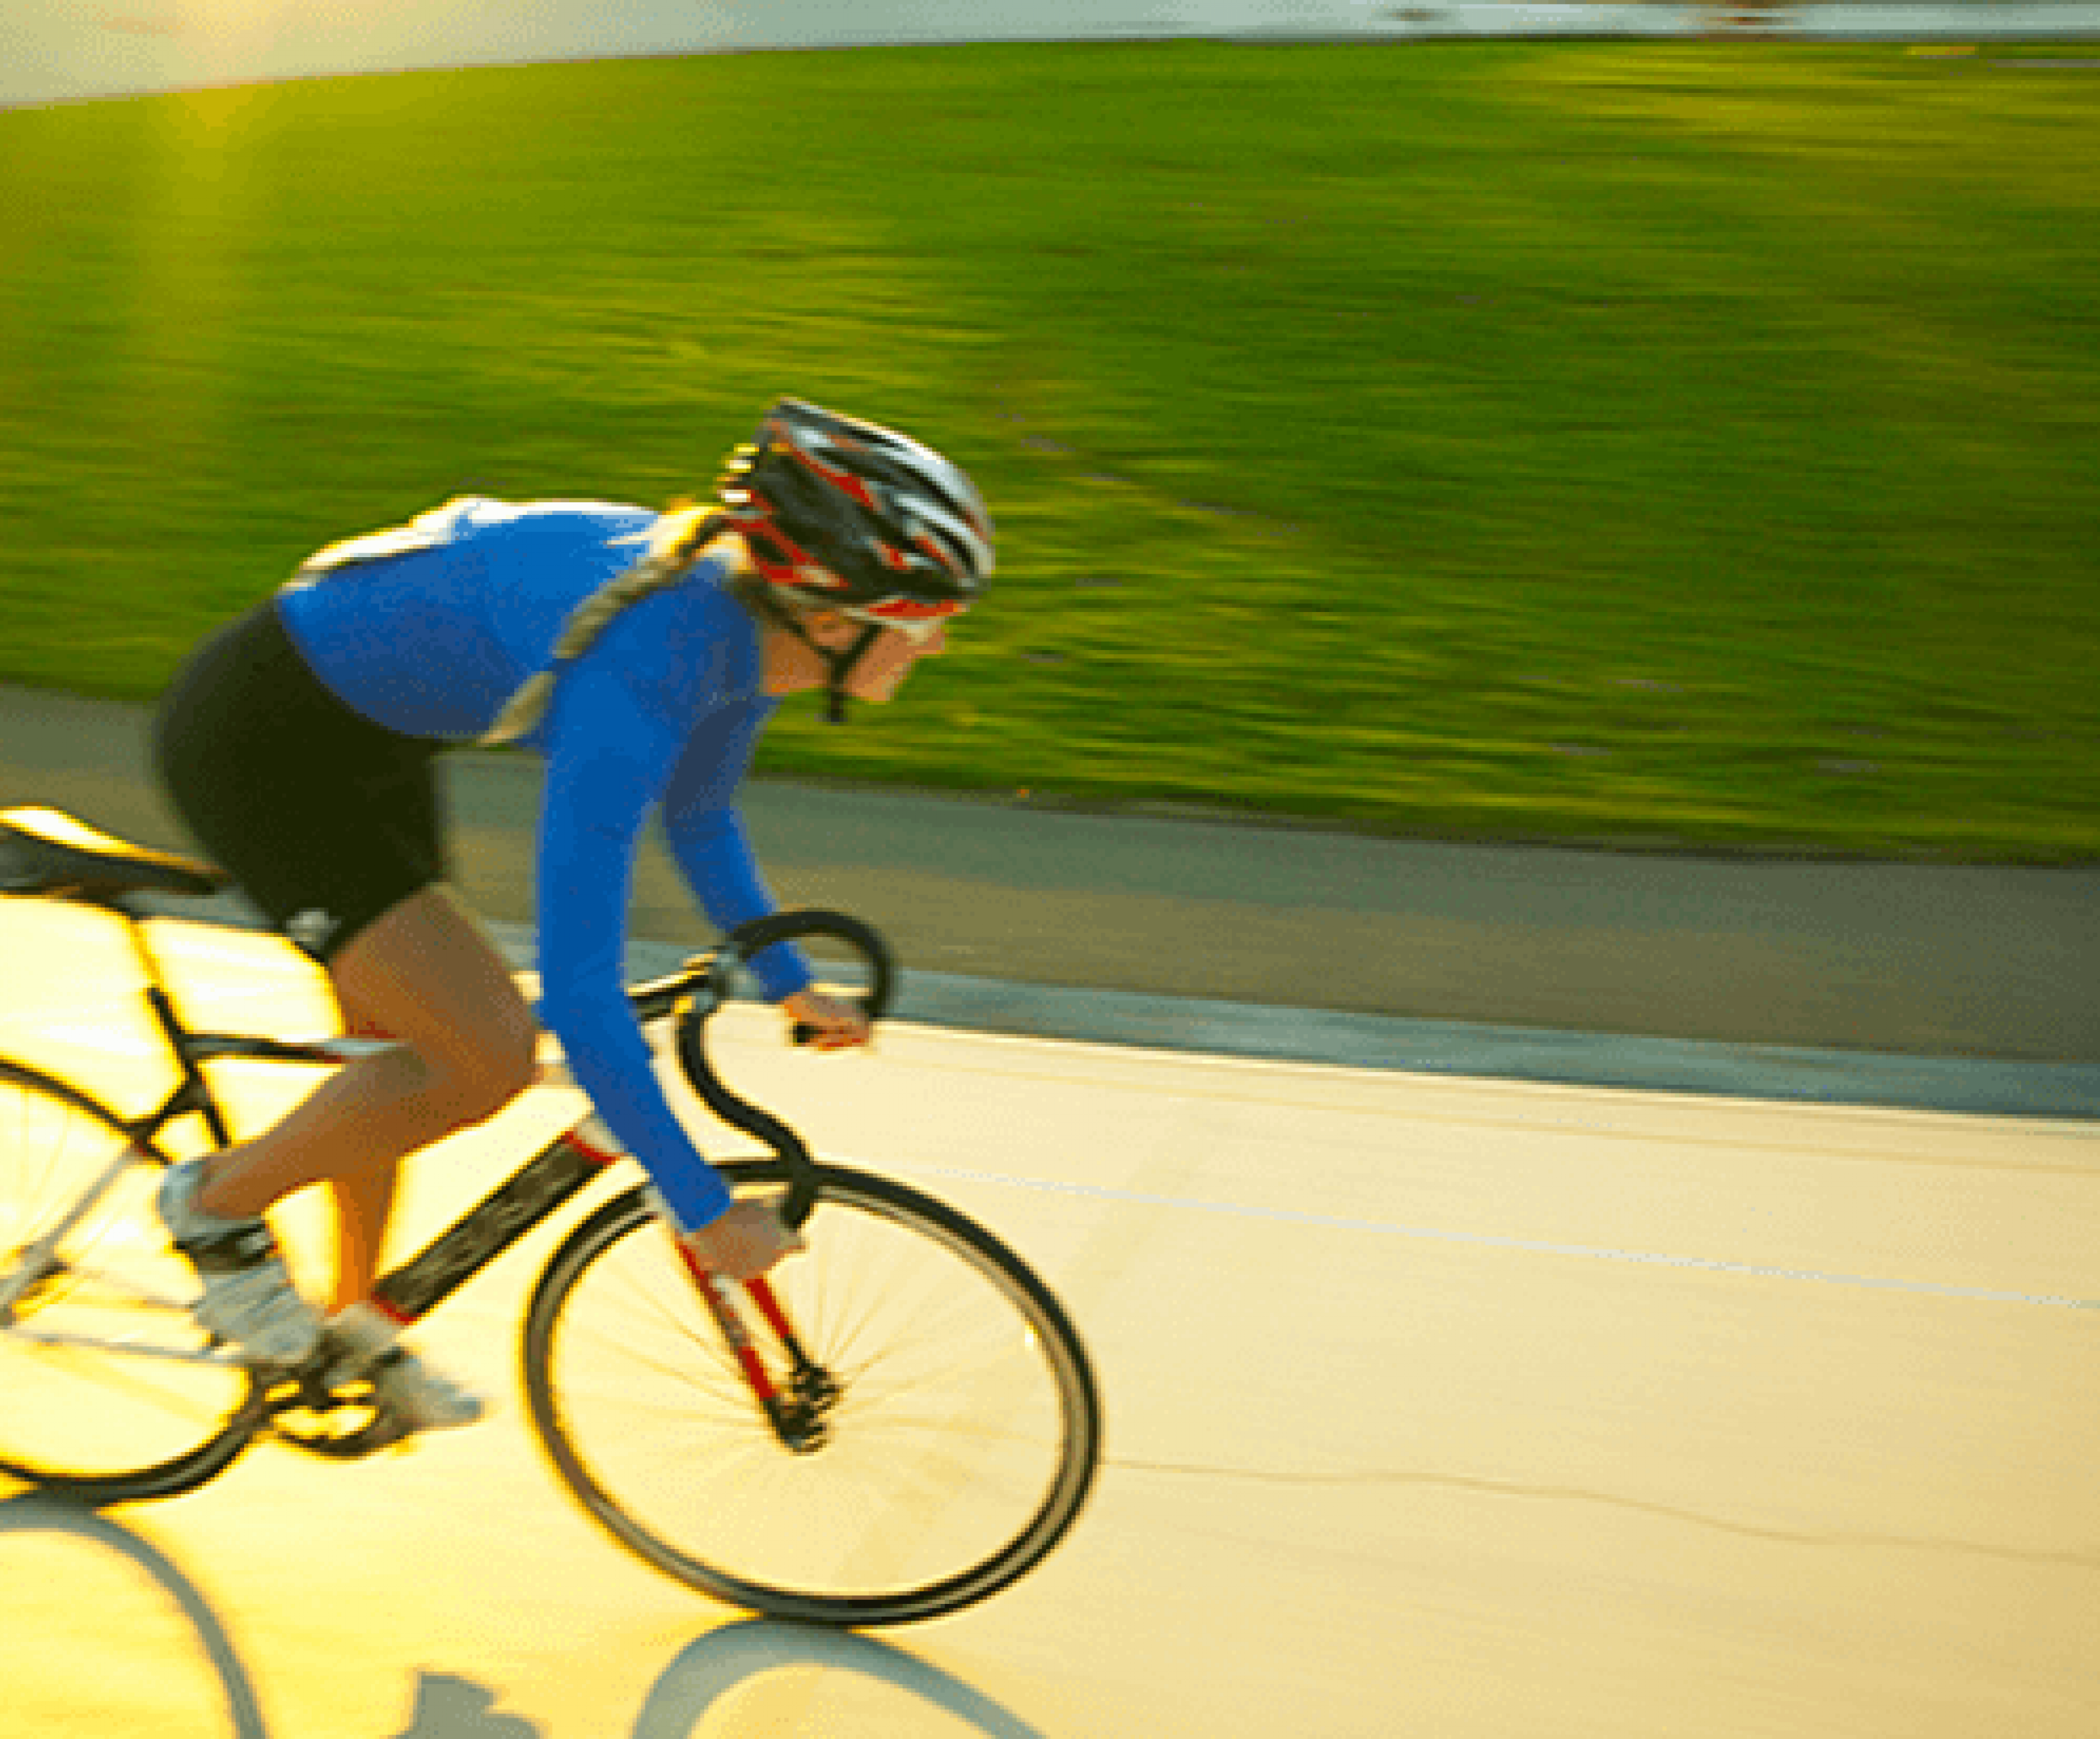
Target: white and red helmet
(854,516)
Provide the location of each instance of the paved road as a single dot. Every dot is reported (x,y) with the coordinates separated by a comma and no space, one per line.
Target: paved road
(1959,985)
(1437,1409)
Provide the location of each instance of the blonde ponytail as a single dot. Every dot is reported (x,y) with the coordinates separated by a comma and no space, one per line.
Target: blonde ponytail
(679,540)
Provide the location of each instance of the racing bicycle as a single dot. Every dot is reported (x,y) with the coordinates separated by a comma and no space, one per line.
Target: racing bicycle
(887,1427)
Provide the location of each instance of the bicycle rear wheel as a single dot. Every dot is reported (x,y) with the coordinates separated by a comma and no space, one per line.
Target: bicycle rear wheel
(958,1438)
(108,1391)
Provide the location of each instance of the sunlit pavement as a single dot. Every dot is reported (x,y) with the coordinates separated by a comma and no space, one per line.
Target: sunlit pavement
(1436,1407)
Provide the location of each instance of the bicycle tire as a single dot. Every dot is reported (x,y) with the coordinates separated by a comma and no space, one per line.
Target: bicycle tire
(657,1337)
(182,1417)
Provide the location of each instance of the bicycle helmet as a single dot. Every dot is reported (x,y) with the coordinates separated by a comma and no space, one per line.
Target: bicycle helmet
(851,516)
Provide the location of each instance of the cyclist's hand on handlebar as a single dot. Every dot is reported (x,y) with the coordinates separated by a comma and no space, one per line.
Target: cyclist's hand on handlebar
(746,1241)
(832,1024)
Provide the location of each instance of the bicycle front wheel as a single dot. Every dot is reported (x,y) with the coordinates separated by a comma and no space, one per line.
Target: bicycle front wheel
(960,1422)
(108,1391)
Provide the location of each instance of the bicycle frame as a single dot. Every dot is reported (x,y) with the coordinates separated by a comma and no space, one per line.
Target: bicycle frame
(561,1171)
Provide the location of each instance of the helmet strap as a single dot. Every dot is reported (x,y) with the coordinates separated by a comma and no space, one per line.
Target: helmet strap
(839,667)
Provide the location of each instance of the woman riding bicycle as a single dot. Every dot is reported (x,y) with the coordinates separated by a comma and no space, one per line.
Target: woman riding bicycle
(641,654)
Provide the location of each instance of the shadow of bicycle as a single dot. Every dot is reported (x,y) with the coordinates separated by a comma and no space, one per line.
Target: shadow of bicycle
(702,1676)
(446,1706)
(707,1670)
(31,1512)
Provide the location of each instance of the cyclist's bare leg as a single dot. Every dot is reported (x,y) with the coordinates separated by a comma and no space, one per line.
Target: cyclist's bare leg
(465,1041)
(364,1204)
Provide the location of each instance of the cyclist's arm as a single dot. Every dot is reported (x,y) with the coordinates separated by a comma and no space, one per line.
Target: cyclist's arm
(608,761)
(708,844)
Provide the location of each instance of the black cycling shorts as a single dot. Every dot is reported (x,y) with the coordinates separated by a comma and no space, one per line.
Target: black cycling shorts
(325,819)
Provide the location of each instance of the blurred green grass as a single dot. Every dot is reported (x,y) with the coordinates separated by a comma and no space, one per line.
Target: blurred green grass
(1689,444)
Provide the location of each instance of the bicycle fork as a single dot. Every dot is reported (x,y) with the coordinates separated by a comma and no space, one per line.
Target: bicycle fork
(800,1410)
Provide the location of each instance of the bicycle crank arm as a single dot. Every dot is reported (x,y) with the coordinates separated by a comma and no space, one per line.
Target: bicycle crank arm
(310,1391)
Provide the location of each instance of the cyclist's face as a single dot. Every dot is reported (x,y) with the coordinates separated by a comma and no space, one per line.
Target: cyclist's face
(881,669)
(884,665)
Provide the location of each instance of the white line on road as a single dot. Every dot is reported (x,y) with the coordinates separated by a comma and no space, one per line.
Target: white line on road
(1535,1246)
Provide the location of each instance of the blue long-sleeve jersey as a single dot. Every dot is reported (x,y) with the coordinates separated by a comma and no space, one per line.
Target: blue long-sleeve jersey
(429,629)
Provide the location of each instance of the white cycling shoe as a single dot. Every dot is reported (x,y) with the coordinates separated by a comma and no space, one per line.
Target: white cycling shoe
(248,1298)
(414,1395)
(420,1398)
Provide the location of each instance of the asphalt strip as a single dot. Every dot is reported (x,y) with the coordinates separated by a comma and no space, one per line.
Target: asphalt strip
(2068,1091)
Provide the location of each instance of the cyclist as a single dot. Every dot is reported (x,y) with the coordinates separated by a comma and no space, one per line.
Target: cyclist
(641,653)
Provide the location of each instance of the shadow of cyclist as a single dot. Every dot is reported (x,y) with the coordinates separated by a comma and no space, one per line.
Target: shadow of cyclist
(451,1707)
(707,1669)
(32,1512)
